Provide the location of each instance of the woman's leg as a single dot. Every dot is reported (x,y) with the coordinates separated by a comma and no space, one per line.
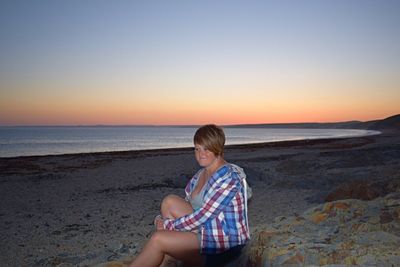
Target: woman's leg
(173,207)
(154,254)
(181,245)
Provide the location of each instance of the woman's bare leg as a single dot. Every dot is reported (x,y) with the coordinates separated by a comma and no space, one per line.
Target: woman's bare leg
(173,207)
(157,249)
(181,245)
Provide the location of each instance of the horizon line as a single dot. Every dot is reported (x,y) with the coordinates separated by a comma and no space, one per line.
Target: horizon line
(176,125)
(194,125)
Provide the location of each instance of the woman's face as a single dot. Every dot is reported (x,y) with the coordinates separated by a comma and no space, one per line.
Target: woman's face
(204,156)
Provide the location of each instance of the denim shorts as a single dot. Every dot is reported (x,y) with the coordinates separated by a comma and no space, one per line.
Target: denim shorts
(221,259)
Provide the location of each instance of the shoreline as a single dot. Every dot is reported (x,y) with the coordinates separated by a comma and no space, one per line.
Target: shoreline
(174,149)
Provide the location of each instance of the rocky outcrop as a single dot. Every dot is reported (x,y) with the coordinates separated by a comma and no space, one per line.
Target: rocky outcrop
(353,190)
(363,190)
(346,232)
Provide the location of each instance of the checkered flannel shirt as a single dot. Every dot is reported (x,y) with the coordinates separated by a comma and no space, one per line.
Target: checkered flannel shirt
(222,220)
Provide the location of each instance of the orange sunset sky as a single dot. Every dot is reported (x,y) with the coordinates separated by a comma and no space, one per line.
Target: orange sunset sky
(176,62)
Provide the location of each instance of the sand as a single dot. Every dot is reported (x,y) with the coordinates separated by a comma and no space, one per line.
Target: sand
(84,209)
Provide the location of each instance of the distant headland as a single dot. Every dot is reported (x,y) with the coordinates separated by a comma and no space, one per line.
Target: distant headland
(389,123)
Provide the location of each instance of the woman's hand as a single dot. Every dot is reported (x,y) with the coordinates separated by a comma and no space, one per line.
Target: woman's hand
(159,222)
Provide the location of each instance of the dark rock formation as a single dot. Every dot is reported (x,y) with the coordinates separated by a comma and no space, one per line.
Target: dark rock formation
(363,190)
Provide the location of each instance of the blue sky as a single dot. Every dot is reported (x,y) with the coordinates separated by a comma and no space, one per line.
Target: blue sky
(340,59)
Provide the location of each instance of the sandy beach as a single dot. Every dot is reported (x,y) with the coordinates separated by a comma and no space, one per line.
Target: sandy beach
(87,209)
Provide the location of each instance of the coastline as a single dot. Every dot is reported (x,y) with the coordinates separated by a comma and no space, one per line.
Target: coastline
(85,209)
(172,149)
(48,143)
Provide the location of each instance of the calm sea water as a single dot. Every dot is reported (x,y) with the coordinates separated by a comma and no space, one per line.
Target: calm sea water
(28,141)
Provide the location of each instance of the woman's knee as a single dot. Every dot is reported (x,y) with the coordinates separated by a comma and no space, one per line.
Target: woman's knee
(157,240)
(167,203)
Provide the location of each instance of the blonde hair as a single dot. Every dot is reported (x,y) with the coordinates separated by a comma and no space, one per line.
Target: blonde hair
(212,137)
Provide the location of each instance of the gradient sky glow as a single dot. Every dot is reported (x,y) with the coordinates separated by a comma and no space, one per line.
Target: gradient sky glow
(194,62)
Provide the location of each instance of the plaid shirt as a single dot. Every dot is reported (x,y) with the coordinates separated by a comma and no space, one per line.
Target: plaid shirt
(222,219)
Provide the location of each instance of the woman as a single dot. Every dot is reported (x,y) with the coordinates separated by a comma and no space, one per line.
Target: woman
(212,219)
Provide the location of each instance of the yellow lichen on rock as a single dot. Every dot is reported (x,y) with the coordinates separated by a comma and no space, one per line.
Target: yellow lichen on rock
(296,259)
(319,217)
(341,205)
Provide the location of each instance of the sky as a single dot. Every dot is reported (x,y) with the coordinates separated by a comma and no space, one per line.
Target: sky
(120,62)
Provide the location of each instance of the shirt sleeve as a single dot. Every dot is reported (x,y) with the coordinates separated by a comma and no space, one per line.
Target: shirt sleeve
(220,196)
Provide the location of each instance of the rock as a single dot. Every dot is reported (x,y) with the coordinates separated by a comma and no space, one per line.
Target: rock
(340,233)
(364,190)
(353,190)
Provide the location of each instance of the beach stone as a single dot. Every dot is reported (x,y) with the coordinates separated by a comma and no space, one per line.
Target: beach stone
(364,190)
(341,233)
(392,200)
(353,190)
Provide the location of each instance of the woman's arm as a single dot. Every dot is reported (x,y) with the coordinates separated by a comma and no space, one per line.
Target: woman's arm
(215,202)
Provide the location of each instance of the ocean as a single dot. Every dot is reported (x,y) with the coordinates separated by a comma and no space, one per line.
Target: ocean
(34,141)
